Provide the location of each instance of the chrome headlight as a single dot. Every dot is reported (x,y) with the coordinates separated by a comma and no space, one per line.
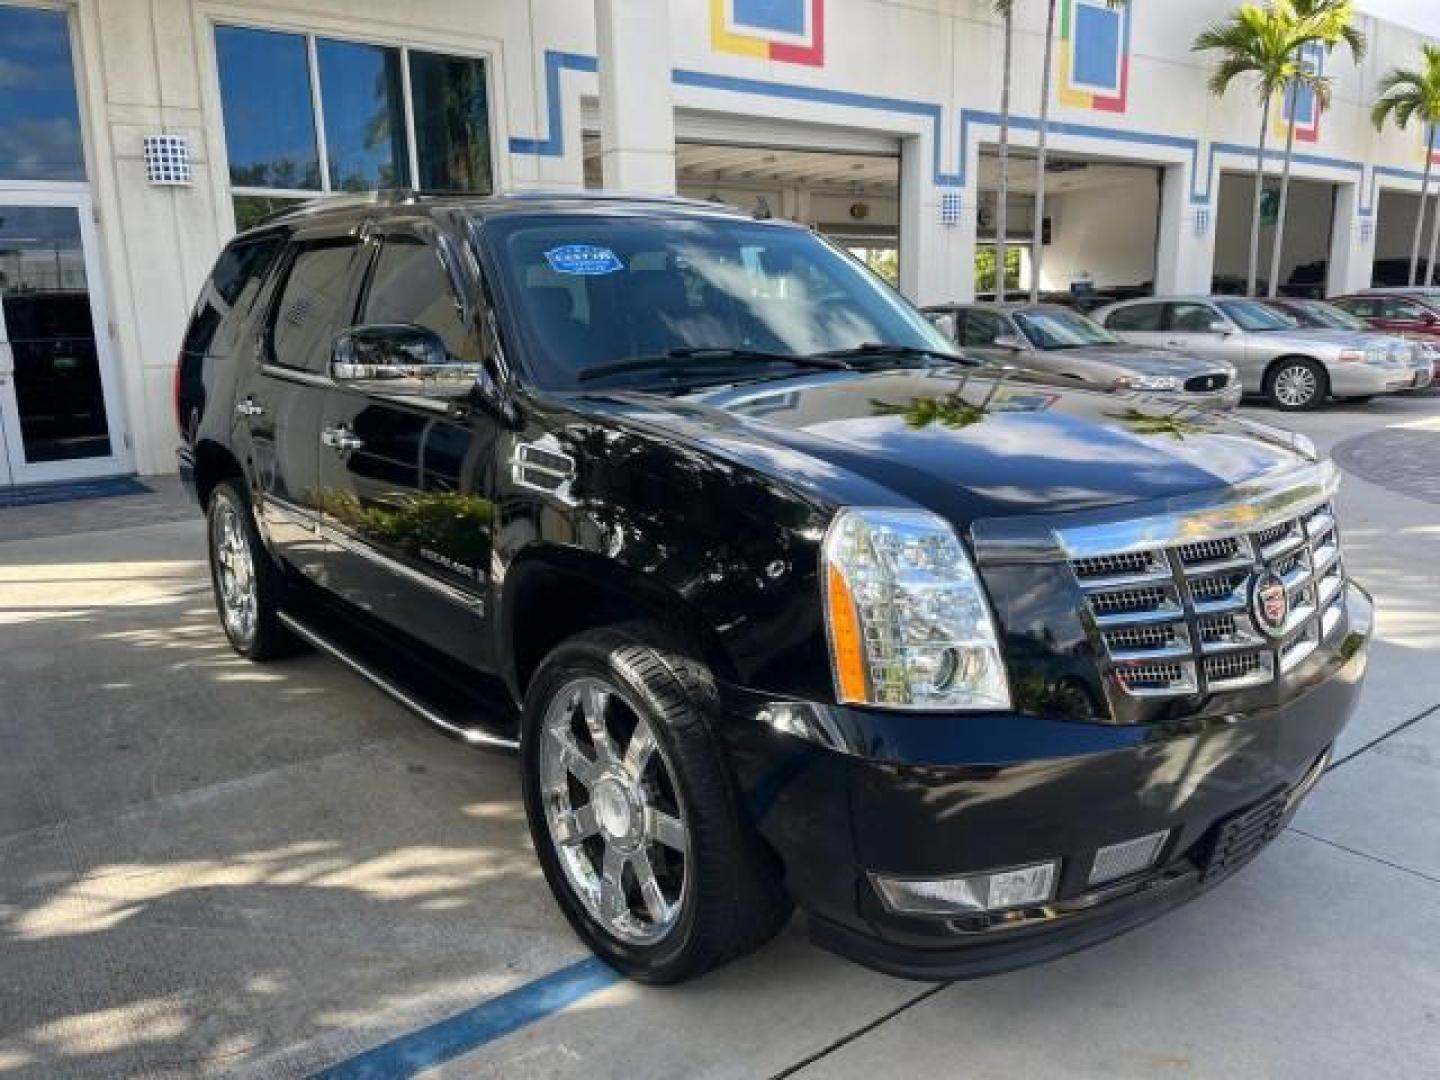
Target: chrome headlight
(907,618)
(1147,382)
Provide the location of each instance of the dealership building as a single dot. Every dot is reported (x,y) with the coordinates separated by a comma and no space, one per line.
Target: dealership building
(136,136)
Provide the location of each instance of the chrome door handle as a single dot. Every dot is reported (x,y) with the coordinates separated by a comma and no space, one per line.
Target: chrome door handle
(341,438)
(248,407)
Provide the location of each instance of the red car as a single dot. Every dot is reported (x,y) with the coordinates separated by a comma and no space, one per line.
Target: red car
(1399,310)
(1412,313)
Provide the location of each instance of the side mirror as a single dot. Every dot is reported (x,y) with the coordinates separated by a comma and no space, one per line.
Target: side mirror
(1219,326)
(399,359)
(1008,341)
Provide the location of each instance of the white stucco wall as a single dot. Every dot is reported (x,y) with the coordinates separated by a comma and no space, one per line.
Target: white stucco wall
(1105,235)
(925,74)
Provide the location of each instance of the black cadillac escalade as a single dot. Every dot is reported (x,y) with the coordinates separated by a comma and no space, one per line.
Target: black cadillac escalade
(781,599)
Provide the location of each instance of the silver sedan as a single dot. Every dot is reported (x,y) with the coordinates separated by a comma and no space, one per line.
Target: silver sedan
(1060,346)
(1296,368)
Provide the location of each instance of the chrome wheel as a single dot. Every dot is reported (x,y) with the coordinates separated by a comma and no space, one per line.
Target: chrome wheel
(235,582)
(613,812)
(1296,386)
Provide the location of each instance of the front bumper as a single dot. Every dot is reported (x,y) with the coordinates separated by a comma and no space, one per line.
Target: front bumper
(1228,398)
(976,793)
(1367,380)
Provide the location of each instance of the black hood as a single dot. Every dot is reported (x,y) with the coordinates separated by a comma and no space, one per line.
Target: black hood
(965,445)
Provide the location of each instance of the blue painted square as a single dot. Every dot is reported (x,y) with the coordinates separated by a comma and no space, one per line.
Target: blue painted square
(776,16)
(1304,106)
(1305,103)
(1097,47)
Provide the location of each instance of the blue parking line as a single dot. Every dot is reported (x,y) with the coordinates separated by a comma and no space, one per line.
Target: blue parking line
(473,1028)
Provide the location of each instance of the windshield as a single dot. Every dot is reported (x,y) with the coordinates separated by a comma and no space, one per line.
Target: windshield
(1062,329)
(1253,315)
(599,290)
(1322,316)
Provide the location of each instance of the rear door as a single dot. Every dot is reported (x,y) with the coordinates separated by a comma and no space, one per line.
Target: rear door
(976,330)
(1141,323)
(284,403)
(408,481)
(1190,328)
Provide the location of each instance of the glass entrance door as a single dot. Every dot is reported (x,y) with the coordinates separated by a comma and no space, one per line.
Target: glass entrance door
(57,397)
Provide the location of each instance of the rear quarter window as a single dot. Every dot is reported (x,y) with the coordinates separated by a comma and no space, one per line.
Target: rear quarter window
(310,308)
(229,293)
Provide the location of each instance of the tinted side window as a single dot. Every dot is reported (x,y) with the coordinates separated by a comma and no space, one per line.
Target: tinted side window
(982,328)
(1365,309)
(1191,318)
(308,313)
(1138,317)
(1401,309)
(410,285)
(238,276)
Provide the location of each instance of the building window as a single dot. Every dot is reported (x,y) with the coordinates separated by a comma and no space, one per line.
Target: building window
(306,116)
(39,113)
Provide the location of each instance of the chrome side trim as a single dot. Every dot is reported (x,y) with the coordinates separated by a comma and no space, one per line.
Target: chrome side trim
(361,549)
(324,644)
(295,375)
(1233,511)
(292,514)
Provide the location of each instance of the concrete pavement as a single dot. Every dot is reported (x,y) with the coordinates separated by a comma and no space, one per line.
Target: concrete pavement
(209,867)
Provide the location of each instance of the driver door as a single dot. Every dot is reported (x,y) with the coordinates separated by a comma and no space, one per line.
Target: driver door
(407,482)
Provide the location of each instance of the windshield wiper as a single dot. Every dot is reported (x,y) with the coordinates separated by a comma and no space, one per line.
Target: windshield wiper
(702,357)
(879,348)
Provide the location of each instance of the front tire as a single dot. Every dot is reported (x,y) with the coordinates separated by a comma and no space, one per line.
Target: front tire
(247,582)
(1297,385)
(633,813)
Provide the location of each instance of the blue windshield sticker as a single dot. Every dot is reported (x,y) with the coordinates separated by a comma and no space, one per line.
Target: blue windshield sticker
(583,259)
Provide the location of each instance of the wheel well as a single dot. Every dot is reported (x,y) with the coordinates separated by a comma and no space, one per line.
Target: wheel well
(213,463)
(1279,360)
(544,605)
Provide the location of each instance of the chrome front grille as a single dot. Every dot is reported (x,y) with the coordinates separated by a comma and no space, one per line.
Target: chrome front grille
(1178,619)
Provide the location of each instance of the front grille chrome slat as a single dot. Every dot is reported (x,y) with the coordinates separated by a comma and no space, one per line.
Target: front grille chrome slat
(1178,620)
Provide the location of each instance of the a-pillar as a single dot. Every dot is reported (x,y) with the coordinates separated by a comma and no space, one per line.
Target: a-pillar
(637,119)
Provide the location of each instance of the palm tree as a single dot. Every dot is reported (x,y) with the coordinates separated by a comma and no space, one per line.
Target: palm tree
(1037,246)
(1006,10)
(1326,23)
(1258,42)
(1414,94)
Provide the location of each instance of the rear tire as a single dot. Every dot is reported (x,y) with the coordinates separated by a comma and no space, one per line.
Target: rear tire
(634,813)
(1297,385)
(248,583)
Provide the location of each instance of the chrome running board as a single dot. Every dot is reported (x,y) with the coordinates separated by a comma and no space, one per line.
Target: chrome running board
(314,637)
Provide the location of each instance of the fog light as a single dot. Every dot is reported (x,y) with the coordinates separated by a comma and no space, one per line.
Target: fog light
(1126,858)
(1021,887)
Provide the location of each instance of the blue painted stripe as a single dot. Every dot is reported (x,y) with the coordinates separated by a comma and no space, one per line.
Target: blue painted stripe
(460,1034)
(552,144)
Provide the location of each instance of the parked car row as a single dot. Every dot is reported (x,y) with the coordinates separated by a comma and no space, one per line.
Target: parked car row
(1209,350)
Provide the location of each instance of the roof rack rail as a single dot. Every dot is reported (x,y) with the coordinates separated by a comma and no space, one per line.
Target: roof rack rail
(401,195)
